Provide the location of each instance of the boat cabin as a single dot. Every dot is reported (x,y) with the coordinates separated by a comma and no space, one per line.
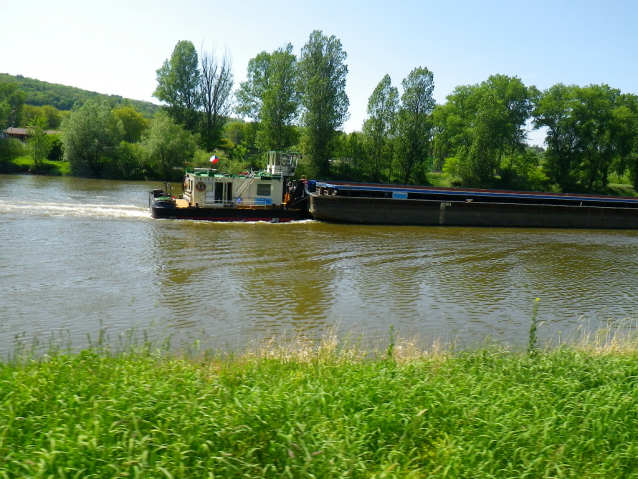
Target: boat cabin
(206,187)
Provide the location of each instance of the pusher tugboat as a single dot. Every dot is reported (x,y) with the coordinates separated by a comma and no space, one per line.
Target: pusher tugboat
(268,195)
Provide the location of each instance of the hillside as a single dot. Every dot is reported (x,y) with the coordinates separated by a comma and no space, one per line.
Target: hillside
(63,97)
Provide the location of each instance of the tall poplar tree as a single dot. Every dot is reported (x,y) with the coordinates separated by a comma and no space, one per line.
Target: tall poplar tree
(380,128)
(322,85)
(414,121)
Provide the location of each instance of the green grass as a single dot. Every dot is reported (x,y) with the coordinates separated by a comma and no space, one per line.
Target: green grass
(24,164)
(322,411)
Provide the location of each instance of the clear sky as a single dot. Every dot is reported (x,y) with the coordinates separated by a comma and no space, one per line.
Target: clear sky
(116,46)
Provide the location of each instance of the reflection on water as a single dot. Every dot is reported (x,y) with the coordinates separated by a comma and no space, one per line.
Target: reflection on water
(80,256)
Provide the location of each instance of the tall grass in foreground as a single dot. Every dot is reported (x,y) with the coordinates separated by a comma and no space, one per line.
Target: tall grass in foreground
(322,411)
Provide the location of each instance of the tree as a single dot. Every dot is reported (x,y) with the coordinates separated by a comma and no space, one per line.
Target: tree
(351,154)
(11,105)
(215,97)
(280,103)
(52,116)
(629,159)
(91,137)
(168,146)
(133,122)
(10,149)
(269,97)
(322,85)
(251,92)
(178,85)
(414,123)
(38,143)
(380,127)
(481,125)
(130,164)
(553,111)
(590,131)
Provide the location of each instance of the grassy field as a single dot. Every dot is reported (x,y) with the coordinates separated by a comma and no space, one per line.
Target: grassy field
(323,411)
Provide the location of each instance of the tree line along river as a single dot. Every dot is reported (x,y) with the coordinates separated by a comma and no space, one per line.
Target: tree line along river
(83,257)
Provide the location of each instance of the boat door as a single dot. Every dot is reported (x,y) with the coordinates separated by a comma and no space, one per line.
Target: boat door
(221,194)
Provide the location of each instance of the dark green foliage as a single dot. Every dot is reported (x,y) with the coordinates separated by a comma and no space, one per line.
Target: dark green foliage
(591,132)
(40,93)
(10,149)
(482,125)
(131,163)
(11,104)
(168,147)
(92,134)
(57,148)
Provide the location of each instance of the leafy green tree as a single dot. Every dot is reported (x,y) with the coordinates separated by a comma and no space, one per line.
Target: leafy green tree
(351,152)
(130,164)
(414,125)
(629,159)
(605,124)
(38,142)
(553,111)
(168,146)
(216,84)
(269,97)
(11,105)
(250,94)
(52,116)
(481,125)
(280,103)
(134,123)
(380,128)
(57,148)
(178,85)
(591,131)
(10,149)
(91,137)
(322,85)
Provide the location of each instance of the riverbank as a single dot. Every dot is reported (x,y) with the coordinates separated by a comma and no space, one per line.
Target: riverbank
(322,411)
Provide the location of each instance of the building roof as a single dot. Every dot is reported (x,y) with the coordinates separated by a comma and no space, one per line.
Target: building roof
(23,132)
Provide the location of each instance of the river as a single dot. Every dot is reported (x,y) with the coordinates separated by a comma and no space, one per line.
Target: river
(82,260)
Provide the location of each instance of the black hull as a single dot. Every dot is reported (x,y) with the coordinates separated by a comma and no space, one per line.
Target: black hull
(272,215)
(387,211)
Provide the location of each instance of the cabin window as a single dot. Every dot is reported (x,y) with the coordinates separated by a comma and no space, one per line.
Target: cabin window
(263,189)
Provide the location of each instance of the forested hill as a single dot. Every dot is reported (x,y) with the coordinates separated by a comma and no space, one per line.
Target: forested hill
(63,97)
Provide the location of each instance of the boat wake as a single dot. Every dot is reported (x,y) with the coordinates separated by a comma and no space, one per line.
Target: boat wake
(52,209)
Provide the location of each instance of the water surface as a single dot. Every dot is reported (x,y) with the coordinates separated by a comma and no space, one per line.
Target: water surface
(82,256)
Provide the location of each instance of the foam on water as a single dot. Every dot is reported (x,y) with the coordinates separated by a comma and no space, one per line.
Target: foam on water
(61,209)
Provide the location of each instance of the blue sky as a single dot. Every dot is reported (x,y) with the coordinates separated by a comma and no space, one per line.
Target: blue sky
(116,46)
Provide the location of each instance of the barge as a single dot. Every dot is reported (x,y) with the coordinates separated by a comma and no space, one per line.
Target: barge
(361,203)
(261,196)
